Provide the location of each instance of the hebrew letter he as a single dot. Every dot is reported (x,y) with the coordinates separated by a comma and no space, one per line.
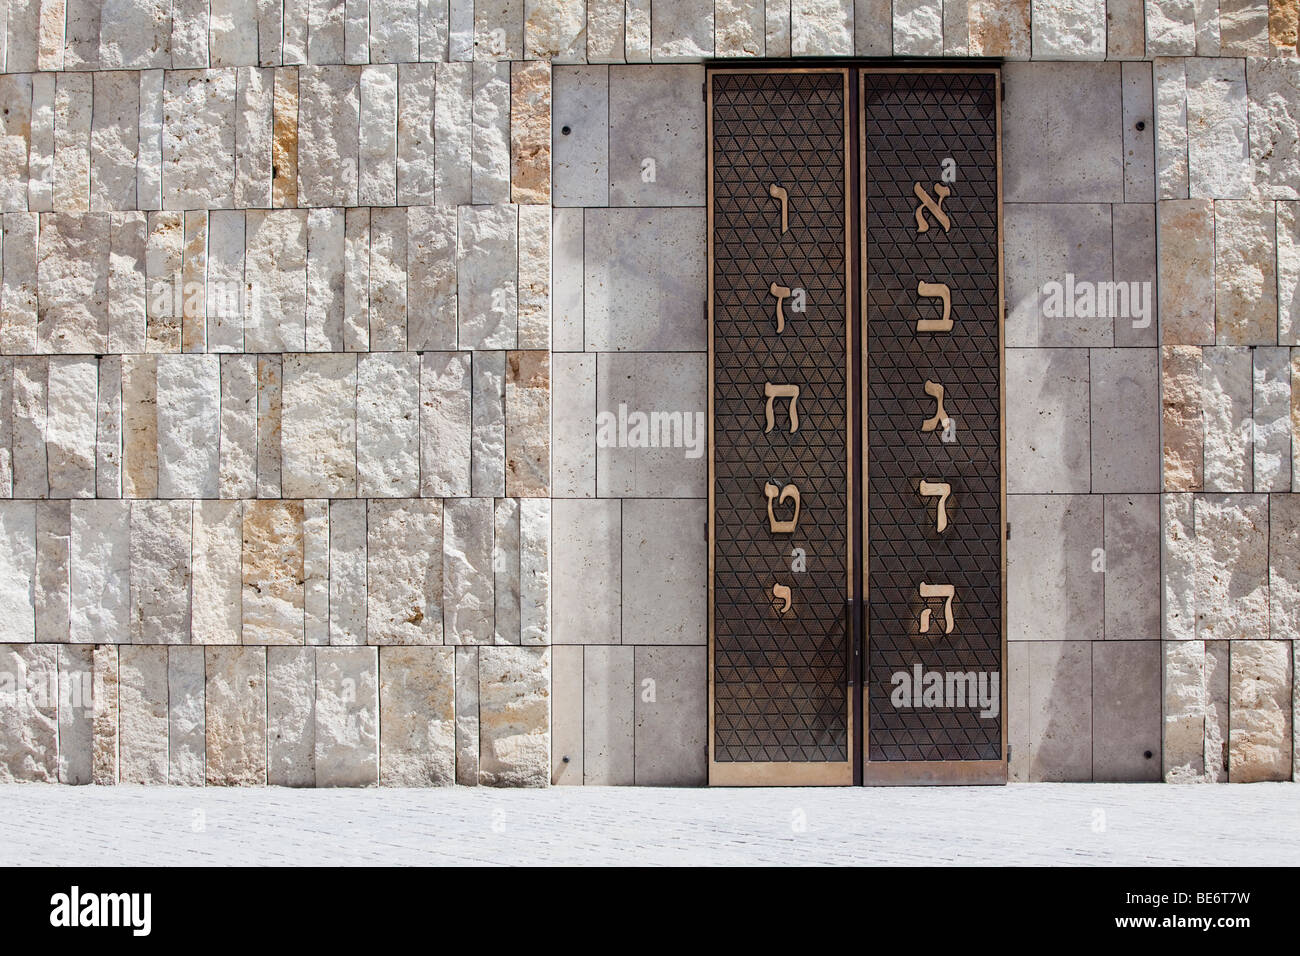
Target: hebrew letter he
(774,392)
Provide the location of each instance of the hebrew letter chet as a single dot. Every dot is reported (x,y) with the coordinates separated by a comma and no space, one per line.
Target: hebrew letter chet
(936,208)
(942,489)
(774,392)
(782,293)
(789,491)
(935,290)
(782,593)
(935,391)
(945,591)
(778,192)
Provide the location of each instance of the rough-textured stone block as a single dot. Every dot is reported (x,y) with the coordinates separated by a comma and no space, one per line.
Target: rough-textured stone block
(284,139)
(632,304)
(291,716)
(1259,746)
(535,277)
(487,293)
(76,714)
(1245,280)
(505,572)
(276,273)
(1126,715)
(1284,567)
(238,454)
(1218,150)
(164,258)
(1171,128)
(100,572)
(528,424)
(490,167)
(72,279)
(73,95)
(70,422)
(1271,441)
(218,572)
(316,569)
(1243,28)
(347,717)
(388,425)
(431,279)
(19,291)
(104,719)
(1274,112)
(819,28)
(318,433)
(467,696)
(1178,567)
(665,558)
(198,141)
(29,404)
(1084,160)
(404,590)
(417,714)
(1047,427)
(530,132)
(160,571)
(53,545)
(656,136)
(108,436)
(356,280)
(468,580)
(514,716)
(918,27)
(996,28)
(488,438)
(329,117)
(394,31)
(1227,409)
(671,709)
(636,40)
(416,102)
(254,131)
(186,716)
(189,424)
(680,30)
(453,133)
(1069,29)
(377,142)
(17,571)
(114,140)
(388,279)
(236,715)
(445,424)
(587,564)
(325,255)
(29,715)
(148,171)
(270,394)
(347,583)
(1183,743)
(605,31)
(227,296)
(535,570)
(273,573)
(580,135)
(1231,567)
(143,727)
(15,140)
(1055,581)
(740,28)
(1183,429)
(1171,27)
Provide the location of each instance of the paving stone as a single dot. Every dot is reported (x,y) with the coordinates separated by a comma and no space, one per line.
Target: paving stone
(394,31)
(417,713)
(347,717)
(404,588)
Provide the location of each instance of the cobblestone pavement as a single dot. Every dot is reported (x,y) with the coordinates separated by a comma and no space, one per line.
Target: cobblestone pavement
(1087,824)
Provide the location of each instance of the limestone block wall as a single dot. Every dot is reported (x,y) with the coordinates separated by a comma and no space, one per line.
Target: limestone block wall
(284,288)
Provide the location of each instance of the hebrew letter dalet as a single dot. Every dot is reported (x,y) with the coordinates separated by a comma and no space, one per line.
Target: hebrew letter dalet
(789,491)
(945,591)
(941,490)
(935,208)
(774,392)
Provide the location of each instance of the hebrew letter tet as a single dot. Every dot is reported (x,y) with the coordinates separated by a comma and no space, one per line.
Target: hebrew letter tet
(789,491)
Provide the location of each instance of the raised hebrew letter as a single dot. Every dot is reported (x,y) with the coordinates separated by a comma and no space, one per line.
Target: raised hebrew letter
(935,391)
(782,593)
(945,591)
(935,290)
(935,208)
(779,193)
(941,489)
(774,392)
(789,491)
(782,293)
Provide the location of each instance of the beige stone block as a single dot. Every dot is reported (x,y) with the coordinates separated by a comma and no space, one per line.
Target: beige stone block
(656,136)
(284,139)
(70,424)
(467,698)
(1132,548)
(1227,408)
(404,588)
(996,29)
(1243,28)
(487,281)
(254,135)
(15,140)
(186,716)
(514,716)
(377,145)
(581,155)
(1260,740)
(566,714)
(104,720)
(740,28)
(445,416)
(218,572)
(1218,151)
(431,277)
(318,432)
(276,274)
(417,716)
(416,103)
(100,572)
(108,424)
(273,573)
(817,28)
(189,425)
(535,570)
(505,572)
(394,31)
(72,279)
(270,409)
(609,716)
(388,425)
(236,715)
(388,265)
(1271,445)
(1171,127)
(316,570)
(160,571)
(1184,702)
(73,96)
(329,118)
(605,31)
(227,295)
(347,572)
(453,133)
(1231,567)
(127,323)
(53,545)
(1060,710)
(30,409)
(468,578)
(1178,567)
(1181,406)
(1187,277)
(534,277)
(490,159)
(238,451)
(18,294)
(347,717)
(1284,567)
(198,141)
(1245,277)
(528,420)
(530,132)
(587,564)
(29,714)
(76,714)
(326,245)
(671,712)
(291,716)
(488,423)
(143,715)
(1125,420)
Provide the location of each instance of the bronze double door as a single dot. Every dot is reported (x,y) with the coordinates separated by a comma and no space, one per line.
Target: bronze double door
(856,481)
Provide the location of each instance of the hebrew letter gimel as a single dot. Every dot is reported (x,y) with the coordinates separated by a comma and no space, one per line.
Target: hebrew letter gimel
(935,391)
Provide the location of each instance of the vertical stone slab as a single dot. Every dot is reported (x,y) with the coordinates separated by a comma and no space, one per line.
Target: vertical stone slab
(53,545)
(29,715)
(417,701)
(127,282)
(1218,151)
(325,255)
(194,270)
(1271,441)
(1171,128)
(114,140)
(30,470)
(514,716)
(671,716)
(555,31)
(236,716)
(487,291)
(6,427)
(740,27)
(467,716)
(1259,746)
(190,40)
(487,443)
(218,572)
(356,31)
(656,118)
(377,143)
(273,573)
(566,715)
(1132,542)
(318,431)
(490,166)
(431,277)
(198,141)
(17,572)
(918,29)
(404,587)
(416,105)
(347,567)
(528,424)
(574,419)
(76,714)
(143,715)
(72,279)
(164,258)
(104,721)
(1183,743)
(1228,407)
(535,277)
(535,570)
(316,570)
(276,273)
(254,124)
(605,26)
(1288,274)
(505,572)
(238,445)
(73,96)
(100,572)
(587,563)
(269,408)
(445,424)
(1125,420)
(1243,28)
(1134,256)
(18,292)
(1055,588)
(148,170)
(1245,280)
(189,426)
(1126,691)
(15,140)
(388,425)
(581,156)
(325,32)
(186,716)
(227,295)
(347,717)
(291,716)
(1060,710)
(284,139)
(1181,407)
(1284,567)
(636,40)
(356,280)
(1171,28)
(530,132)
(1274,114)
(160,571)
(608,712)
(329,119)
(434,30)
(388,258)
(1139,144)
(468,589)
(665,560)
(1231,567)
(108,429)
(1187,284)
(453,128)
(70,426)
(233,32)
